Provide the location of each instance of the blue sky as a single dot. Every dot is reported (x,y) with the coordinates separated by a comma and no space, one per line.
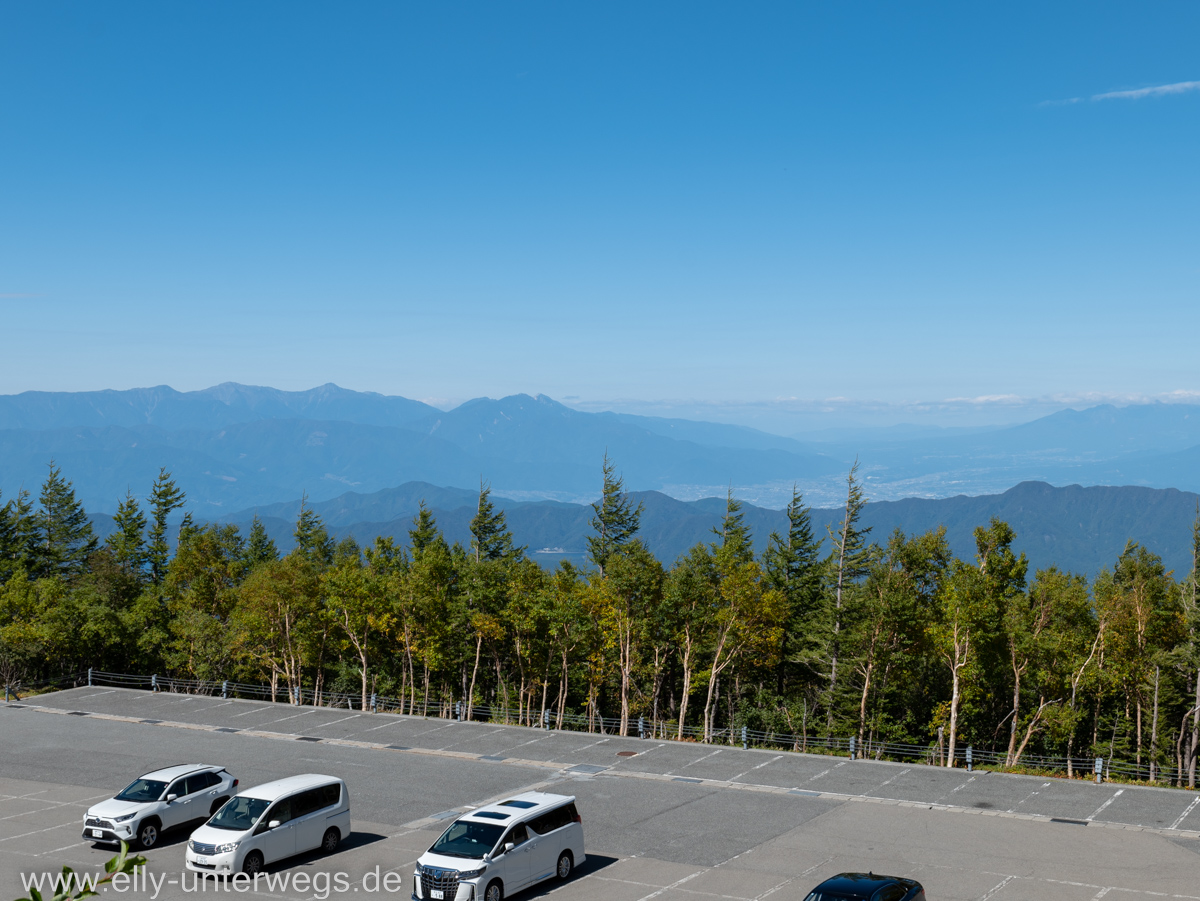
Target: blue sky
(950,213)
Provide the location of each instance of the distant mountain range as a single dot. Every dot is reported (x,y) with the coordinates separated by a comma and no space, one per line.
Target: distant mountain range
(233,447)
(1074,528)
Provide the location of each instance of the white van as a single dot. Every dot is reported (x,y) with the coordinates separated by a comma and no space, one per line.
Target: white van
(270,822)
(502,848)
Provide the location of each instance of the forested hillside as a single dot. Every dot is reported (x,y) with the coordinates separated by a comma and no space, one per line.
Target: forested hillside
(872,634)
(1075,528)
(239,446)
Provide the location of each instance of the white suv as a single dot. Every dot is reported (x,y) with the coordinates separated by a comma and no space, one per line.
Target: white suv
(158,801)
(502,848)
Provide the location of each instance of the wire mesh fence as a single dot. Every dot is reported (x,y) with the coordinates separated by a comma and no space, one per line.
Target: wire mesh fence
(934,753)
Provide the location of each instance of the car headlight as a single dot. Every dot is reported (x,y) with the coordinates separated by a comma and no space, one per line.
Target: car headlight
(126,818)
(227,847)
(471,874)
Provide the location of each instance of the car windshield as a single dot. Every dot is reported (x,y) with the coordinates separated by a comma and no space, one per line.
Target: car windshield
(239,813)
(829,896)
(467,839)
(142,790)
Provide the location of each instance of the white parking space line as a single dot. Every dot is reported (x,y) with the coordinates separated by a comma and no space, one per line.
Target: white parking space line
(1183,816)
(888,782)
(585,747)
(471,738)
(759,767)
(827,772)
(96,694)
(675,884)
(77,823)
(1102,807)
(292,717)
(255,710)
(63,848)
(996,888)
(956,788)
(521,745)
(436,729)
(215,706)
(385,725)
(697,760)
(788,881)
(83,802)
(342,720)
(1023,800)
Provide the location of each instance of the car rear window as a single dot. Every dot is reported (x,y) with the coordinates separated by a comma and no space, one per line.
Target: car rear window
(553,819)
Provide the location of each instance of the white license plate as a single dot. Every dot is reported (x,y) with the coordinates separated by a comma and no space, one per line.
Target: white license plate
(98,833)
(202,860)
(436,894)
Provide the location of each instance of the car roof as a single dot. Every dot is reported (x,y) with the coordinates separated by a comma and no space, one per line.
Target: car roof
(167,773)
(269,791)
(518,807)
(861,885)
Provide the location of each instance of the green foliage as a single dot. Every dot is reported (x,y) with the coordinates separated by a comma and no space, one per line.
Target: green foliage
(128,543)
(616,520)
(165,499)
(64,536)
(312,538)
(882,641)
(259,546)
(70,886)
(490,537)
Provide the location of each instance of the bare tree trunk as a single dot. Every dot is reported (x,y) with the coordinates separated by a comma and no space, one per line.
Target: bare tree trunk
(1195,745)
(1154,729)
(1012,727)
(474,673)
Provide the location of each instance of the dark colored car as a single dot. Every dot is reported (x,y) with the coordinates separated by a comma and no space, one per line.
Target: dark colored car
(867,887)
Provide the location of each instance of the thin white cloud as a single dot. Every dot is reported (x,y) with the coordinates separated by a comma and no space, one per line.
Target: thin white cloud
(1179,87)
(1161,90)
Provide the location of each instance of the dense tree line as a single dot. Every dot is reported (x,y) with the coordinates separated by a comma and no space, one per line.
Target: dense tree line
(885,638)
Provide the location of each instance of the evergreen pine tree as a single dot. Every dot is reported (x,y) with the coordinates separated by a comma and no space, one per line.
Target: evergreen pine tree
(260,548)
(736,544)
(848,563)
(165,498)
(794,569)
(425,531)
(312,538)
(10,549)
(616,519)
(65,537)
(128,542)
(490,538)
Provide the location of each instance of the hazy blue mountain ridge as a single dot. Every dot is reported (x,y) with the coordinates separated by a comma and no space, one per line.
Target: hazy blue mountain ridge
(235,446)
(1074,528)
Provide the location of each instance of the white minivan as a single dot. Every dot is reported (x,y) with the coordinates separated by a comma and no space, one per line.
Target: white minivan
(270,822)
(502,848)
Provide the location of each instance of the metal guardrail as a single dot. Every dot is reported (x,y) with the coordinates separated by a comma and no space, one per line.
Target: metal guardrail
(657,729)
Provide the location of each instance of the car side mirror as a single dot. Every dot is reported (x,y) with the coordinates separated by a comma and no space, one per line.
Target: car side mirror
(171,798)
(508,846)
(274,824)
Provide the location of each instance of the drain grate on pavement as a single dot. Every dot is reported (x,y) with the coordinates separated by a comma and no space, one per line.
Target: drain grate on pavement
(587,769)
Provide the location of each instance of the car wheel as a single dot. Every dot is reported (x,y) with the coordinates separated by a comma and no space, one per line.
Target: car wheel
(252,864)
(217,805)
(495,891)
(330,842)
(148,834)
(565,862)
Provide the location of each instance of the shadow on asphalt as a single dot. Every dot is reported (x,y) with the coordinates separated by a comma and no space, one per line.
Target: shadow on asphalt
(593,864)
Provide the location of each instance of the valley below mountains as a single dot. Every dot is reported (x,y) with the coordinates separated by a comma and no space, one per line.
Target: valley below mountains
(365,460)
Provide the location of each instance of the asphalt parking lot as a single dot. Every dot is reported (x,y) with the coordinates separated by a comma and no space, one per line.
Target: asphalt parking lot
(673,821)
